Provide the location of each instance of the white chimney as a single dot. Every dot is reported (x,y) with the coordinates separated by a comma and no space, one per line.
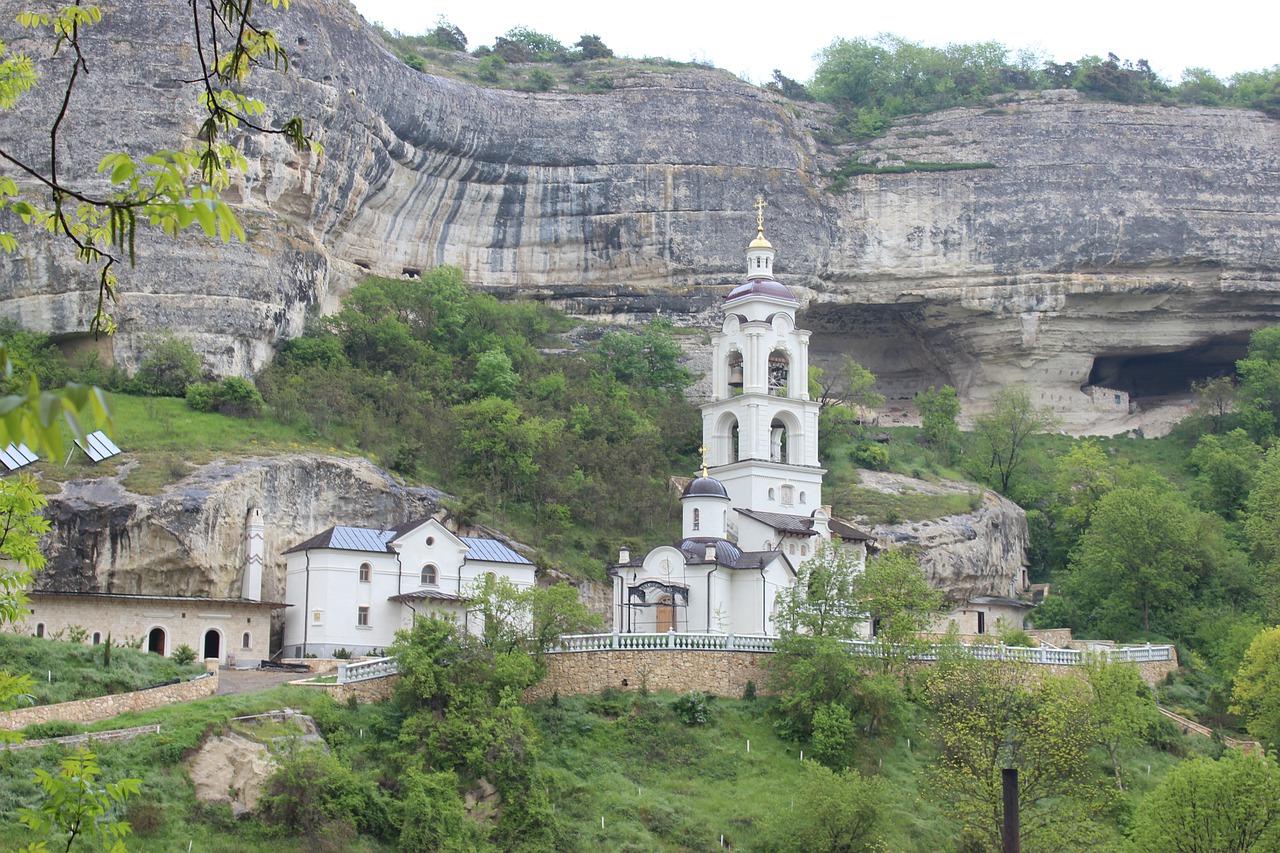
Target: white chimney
(624,555)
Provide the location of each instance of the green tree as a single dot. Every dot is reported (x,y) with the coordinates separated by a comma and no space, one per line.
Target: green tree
(448,36)
(530,620)
(900,604)
(1257,688)
(648,360)
(170,365)
(21,526)
(76,805)
(847,384)
(1262,527)
(500,444)
(433,820)
(940,420)
(1123,708)
(1258,392)
(592,47)
(1224,466)
(1231,805)
(998,442)
(991,715)
(1138,558)
(824,600)
(495,376)
(808,675)
(833,813)
(1214,400)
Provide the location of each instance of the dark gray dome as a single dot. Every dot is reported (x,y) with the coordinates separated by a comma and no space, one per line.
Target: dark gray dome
(704,487)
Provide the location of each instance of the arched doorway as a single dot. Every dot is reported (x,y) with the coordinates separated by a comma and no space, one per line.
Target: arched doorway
(212,644)
(155,641)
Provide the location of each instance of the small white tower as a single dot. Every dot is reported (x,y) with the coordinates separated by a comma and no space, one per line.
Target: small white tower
(706,508)
(254,555)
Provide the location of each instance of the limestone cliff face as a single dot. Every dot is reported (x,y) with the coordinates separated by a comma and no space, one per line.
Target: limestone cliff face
(1127,247)
(977,553)
(190,540)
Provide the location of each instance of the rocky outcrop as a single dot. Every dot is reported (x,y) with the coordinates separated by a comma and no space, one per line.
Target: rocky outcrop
(190,540)
(982,552)
(1131,248)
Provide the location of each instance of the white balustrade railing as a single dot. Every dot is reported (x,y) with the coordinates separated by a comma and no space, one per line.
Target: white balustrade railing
(366,669)
(677,641)
(673,641)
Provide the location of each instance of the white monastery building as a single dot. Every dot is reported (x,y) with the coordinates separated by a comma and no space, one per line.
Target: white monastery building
(352,588)
(756,512)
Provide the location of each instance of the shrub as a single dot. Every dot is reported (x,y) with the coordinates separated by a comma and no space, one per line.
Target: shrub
(53,728)
(342,654)
(488,68)
(171,364)
(750,691)
(184,655)
(540,80)
(691,708)
(229,396)
(146,818)
(868,454)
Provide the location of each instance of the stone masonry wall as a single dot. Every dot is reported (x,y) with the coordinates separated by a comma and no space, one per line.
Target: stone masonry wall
(720,672)
(106,707)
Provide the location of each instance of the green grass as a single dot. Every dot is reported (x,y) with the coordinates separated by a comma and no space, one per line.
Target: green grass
(64,671)
(840,176)
(874,507)
(164,440)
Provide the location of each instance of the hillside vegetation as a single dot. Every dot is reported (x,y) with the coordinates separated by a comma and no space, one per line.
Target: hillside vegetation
(868,81)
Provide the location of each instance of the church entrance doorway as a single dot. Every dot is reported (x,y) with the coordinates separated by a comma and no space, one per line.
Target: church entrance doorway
(666,614)
(155,641)
(212,644)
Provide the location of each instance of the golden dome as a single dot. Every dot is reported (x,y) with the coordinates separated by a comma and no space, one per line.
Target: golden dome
(760,242)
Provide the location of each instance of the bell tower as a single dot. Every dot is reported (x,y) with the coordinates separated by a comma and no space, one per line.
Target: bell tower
(760,427)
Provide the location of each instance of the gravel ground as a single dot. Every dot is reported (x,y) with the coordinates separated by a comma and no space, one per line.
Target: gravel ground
(234,681)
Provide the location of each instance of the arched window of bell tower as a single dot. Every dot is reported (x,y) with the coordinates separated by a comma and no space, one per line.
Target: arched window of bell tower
(734,373)
(724,440)
(778,442)
(779,370)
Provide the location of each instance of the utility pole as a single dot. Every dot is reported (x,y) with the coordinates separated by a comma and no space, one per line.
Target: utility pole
(1010,831)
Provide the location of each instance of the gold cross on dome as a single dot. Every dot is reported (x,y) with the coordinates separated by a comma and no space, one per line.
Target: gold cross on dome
(703,451)
(761,204)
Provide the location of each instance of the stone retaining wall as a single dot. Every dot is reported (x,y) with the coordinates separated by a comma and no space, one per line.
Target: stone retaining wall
(372,690)
(723,673)
(106,707)
(720,672)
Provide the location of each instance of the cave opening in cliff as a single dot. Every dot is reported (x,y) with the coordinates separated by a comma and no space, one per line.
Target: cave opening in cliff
(1167,373)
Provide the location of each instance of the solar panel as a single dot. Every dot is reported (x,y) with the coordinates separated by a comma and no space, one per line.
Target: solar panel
(98,447)
(16,456)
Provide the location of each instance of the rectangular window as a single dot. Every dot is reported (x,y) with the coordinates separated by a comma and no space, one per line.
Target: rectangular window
(362,617)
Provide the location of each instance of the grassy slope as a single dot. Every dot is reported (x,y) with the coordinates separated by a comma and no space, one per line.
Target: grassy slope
(660,786)
(63,671)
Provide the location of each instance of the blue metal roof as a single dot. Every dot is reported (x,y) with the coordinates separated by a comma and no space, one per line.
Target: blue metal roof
(492,551)
(360,539)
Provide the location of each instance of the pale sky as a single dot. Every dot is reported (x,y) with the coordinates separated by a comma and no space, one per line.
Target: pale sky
(751,39)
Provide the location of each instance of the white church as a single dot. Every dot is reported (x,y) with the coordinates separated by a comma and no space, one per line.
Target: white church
(756,512)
